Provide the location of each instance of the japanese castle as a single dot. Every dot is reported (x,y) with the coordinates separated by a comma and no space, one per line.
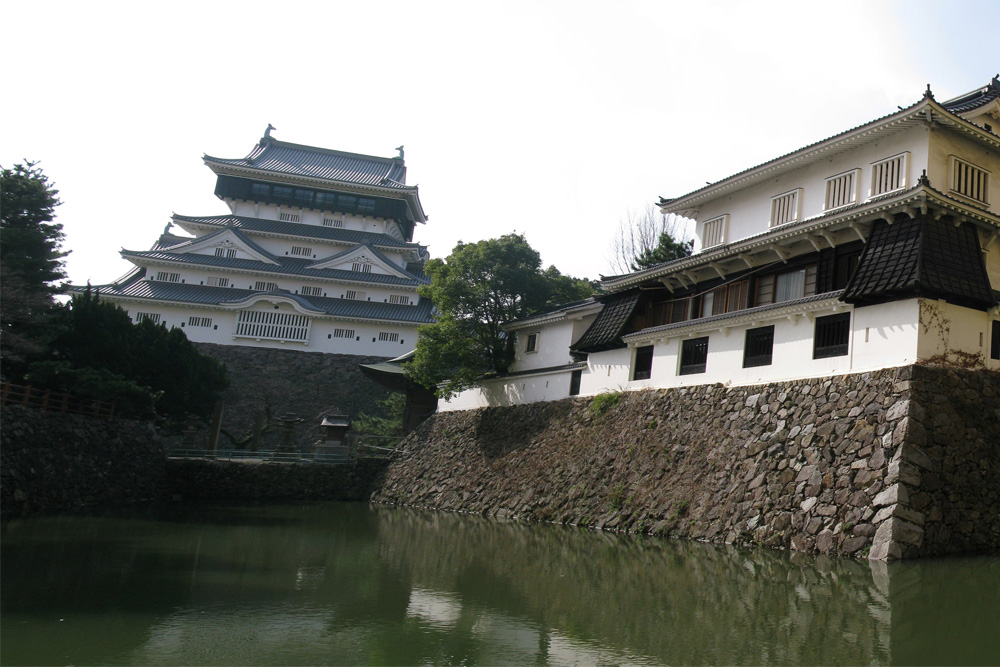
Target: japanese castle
(316,254)
(874,248)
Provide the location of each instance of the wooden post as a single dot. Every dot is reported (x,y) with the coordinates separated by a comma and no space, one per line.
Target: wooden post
(213,434)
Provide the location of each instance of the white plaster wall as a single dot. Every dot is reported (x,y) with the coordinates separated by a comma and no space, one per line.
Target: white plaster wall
(606,371)
(885,334)
(307,216)
(554,340)
(320,331)
(512,391)
(750,209)
(945,143)
(952,333)
(992,259)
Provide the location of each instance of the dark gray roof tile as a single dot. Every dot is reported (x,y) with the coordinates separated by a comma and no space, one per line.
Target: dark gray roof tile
(349,236)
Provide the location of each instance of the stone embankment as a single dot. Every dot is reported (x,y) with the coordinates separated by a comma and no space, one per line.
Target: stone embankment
(51,461)
(244,481)
(898,463)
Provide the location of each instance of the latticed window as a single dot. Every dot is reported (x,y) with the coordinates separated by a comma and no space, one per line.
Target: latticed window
(785,208)
(311,291)
(361,267)
(225,252)
(356,295)
(785,286)
(969,180)
(199,321)
(302,251)
(333,222)
(343,333)
(832,336)
(388,336)
(270,325)
(152,317)
(262,286)
(290,217)
(694,355)
(168,277)
(889,174)
(841,189)
(400,299)
(217,281)
(758,347)
(715,231)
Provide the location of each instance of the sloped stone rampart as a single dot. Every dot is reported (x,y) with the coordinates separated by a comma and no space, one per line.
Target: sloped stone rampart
(899,463)
(306,384)
(52,462)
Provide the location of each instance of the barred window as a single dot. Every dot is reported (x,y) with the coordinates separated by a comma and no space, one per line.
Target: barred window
(643,368)
(343,333)
(333,222)
(270,325)
(217,281)
(302,251)
(168,277)
(785,208)
(311,291)
(262,286)
(715,231)
(841,189)
(694,355)
(199,321)
(400,299)
(758,347)
(356,295)
(969,180)
(290,217)
(152,317)
(388,336)
(225,252)
(832,336)
(889,174)
(361,267)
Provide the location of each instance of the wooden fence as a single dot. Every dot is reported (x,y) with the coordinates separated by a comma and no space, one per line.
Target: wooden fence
(43,399)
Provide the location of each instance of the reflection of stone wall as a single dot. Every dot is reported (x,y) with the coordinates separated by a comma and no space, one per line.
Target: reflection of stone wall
(241,481)
(839,465)
(51,461)
(671,601)
(307,384)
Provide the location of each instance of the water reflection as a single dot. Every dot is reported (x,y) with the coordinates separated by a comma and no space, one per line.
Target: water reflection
(349,584)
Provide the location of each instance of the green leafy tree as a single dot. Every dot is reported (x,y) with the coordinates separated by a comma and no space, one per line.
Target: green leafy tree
(130,358)
(478,288)
(30,263)
(667,249)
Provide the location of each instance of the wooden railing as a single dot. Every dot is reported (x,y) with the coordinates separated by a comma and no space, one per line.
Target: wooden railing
(43,399)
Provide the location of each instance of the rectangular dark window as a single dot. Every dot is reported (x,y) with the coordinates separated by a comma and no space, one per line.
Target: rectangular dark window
(326,200)
(531,343)
(758,347)
(347,202)
(574,383)
(786,286)
(282,192)
(832,335)
(843,268)
(303,196)
(995,340)
(260,189)
(643,368)
(694,355)
(366,206)
(729,298)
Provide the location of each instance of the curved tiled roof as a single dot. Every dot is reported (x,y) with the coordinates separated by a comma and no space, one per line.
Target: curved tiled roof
(152,290)
(296,160)
(605,332)
(263,225)
(289,266)
(975,99)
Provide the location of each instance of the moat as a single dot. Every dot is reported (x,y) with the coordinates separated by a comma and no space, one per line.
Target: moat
(349,583)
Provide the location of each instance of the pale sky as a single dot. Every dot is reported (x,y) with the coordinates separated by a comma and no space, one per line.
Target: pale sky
(548,118)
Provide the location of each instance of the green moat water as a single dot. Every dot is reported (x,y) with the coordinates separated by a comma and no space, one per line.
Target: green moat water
(353,584)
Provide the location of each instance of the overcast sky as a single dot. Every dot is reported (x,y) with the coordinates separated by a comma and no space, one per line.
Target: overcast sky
(547,118)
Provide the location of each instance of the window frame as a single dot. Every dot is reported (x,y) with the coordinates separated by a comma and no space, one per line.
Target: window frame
(758,338)
(836,349)
(723,224)
(693,358)
(954,187)
(642,362)
(531,342)
(792,212)
(855,184)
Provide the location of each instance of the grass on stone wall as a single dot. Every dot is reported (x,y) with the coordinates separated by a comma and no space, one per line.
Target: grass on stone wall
(603,402)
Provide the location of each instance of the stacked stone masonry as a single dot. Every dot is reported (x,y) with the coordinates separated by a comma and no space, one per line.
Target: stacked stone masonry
(897,463)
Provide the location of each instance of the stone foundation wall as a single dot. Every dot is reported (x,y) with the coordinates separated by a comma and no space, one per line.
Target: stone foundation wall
(51,461)
(242,481)
(307,384)
(895,463)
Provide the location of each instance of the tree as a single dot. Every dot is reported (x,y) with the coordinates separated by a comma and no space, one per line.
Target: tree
(647,238)
(479,287)
(100,353)
(30,261)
